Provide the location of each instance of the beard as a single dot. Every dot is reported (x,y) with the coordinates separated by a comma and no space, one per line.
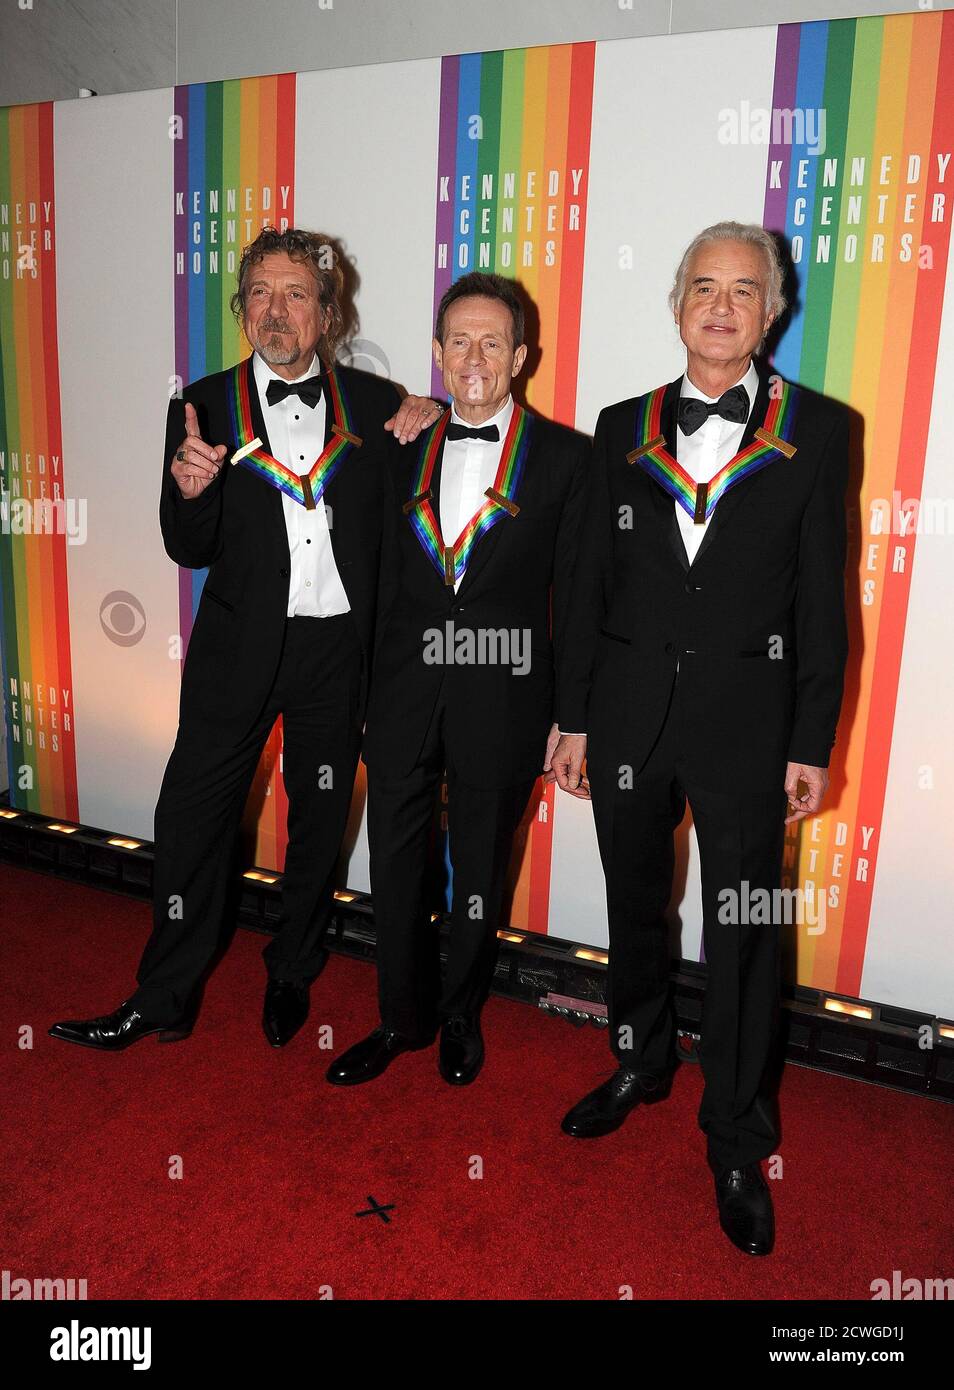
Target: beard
(276,348)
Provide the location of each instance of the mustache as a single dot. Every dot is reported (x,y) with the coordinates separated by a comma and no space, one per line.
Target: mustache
(269,325)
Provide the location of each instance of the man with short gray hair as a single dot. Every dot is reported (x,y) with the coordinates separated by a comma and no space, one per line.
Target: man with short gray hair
(704,662)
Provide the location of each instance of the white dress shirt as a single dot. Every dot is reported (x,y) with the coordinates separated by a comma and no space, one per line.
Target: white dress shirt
(706,450)
(296,435)
(703,453)
(468,469)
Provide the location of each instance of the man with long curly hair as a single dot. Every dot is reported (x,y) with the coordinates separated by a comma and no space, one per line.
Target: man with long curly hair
(274,475)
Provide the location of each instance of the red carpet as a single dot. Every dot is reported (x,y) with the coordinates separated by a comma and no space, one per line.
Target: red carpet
(276,1162)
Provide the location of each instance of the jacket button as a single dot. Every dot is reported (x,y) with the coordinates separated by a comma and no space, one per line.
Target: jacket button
(670,648)
(283,573)
(692,588)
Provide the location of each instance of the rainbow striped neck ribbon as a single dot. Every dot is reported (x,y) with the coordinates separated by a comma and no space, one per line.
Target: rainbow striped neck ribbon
(308,488)
(772,441)
(451,561)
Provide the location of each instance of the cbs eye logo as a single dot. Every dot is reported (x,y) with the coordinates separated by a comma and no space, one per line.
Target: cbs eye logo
(122,618)
(366,356)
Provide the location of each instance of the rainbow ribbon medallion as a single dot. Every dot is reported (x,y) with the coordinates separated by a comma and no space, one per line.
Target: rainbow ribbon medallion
(451,561)
(305,489)
(772,441)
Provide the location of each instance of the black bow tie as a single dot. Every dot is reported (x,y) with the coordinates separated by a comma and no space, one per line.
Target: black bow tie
(732,405)
(309,390)
(488,432)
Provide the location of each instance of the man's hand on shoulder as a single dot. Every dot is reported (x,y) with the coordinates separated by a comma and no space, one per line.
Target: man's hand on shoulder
(196,463)
(415,413)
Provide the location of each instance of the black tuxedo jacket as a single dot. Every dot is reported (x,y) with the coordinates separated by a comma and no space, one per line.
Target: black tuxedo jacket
(496,721)
(770,567)
(236,527)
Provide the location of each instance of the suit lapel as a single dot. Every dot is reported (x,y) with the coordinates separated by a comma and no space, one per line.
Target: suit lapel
(258,419)
(436,476)
(415,456)
(730,500)
(664,504)
(488,542)
(330,494)
(267,497)
(329,408)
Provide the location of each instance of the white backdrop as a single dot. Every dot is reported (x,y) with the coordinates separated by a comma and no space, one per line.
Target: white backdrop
(366,169)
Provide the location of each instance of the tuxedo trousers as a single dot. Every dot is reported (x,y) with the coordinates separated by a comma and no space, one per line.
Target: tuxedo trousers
(740,831)
(199,812)
(481,824)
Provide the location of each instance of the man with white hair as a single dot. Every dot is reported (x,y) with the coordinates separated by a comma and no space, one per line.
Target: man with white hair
(704,662)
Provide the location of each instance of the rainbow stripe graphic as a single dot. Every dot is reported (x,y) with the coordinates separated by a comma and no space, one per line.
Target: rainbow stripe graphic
(234,174)
(37,673)
(513,176)
(871,263)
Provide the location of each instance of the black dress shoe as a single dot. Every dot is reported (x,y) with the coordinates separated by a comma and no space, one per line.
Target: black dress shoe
(461,1053)
(284,1011)
(745,1209)
(605,1109)
(114,1031)
(372,1056)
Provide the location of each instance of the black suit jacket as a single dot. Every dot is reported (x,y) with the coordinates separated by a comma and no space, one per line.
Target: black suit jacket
(770,566)
(497,721)
(236,527)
